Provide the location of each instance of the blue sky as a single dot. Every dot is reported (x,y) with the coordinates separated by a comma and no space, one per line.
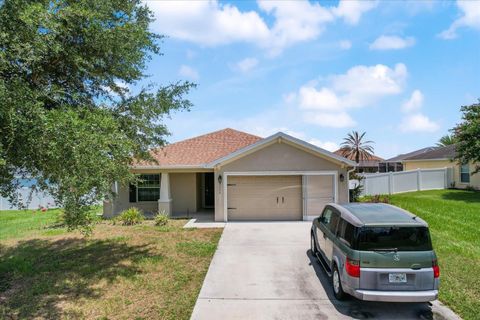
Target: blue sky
(317,70)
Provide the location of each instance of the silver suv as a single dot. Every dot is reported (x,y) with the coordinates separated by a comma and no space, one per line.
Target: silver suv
(376,252)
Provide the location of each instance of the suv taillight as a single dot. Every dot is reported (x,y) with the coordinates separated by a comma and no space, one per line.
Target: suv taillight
(436,269)
(353,268)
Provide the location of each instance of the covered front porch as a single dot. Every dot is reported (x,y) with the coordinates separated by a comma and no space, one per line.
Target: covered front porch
(183,194)
(179,194)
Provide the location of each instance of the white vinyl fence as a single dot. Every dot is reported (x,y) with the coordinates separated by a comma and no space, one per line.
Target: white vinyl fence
(405,181)
(31,200)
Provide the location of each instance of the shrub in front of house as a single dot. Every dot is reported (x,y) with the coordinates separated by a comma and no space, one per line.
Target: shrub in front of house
(378,198)
(161,219)
(130,217)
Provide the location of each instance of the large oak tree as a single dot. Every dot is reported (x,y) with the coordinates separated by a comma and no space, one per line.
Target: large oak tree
(467,135)
(67,118)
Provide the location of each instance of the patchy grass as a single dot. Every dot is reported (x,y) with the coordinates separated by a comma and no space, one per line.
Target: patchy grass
(197,248)
(120,272)
(454,220)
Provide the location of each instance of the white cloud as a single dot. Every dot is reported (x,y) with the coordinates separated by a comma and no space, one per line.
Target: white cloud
(470,18)
(392,43)
(359,87)
(246,64)
(351,10)
(414,120)
(295,21)
(418,123)
(345,44)
(363,85)
(414,103)
(329,119)
(188,72)
(327,145)
(207,22)
(323,99)
(211,23)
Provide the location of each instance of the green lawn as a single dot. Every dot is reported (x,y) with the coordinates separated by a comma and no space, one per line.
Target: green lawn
(454,220)
(120,272)
(17,224)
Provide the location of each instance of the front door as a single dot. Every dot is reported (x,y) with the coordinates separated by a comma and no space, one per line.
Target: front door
(209,192)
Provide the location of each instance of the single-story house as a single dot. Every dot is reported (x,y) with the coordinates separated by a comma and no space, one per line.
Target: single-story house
(237,176)
(443,157)
(395,164)
(369,165)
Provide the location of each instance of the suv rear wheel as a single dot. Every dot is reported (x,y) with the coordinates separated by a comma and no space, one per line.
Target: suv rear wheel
(337,284)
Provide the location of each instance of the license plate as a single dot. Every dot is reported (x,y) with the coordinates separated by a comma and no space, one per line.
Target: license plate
(397,277)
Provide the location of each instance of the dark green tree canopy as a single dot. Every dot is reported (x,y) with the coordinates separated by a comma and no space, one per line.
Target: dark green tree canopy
(467,133)
(67,118)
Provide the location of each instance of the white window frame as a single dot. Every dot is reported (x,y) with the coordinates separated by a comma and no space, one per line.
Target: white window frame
(462,172)
(159,183)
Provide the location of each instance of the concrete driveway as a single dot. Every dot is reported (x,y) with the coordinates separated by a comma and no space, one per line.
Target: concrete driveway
(265,271)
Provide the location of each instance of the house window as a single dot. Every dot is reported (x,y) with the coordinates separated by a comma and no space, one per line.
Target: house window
(147,189)
(465,173)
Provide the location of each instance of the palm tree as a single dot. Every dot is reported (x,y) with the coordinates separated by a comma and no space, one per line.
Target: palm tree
(446,140)
(353,147)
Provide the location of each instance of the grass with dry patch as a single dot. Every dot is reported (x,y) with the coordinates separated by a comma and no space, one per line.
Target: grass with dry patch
(136,272)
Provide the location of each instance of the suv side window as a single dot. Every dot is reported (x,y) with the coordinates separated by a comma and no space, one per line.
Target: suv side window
(341,228)
(332,226)
(327,216)
(346,233)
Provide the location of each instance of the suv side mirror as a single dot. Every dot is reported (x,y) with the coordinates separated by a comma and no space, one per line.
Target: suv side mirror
(321,219)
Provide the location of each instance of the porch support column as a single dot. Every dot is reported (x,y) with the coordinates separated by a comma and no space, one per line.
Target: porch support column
(165,201)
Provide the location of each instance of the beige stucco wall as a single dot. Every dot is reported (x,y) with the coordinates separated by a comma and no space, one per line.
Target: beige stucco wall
(121,202)
(183,188)
(279,156)
(427,164)
(431,164)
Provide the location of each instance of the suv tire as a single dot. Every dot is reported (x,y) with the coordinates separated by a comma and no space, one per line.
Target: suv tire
(337,284)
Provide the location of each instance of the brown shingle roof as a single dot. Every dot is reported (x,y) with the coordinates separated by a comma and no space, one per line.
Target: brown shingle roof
(403,156)
(202,149)
(447,152)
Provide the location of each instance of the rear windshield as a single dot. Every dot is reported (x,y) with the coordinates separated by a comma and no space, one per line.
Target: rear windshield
(394,238)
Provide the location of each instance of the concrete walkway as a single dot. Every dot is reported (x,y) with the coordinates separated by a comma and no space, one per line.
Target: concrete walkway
(266,271)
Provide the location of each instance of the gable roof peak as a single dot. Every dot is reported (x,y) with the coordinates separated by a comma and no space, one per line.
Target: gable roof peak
(283,136)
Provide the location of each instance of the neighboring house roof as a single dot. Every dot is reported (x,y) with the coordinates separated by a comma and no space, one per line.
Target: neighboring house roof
(371,162)
(222,146)
(403,156)
(203,149)
(440,153)
(287,138)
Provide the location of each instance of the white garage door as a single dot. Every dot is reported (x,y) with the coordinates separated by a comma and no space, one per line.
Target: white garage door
(319,190)
(264,198)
